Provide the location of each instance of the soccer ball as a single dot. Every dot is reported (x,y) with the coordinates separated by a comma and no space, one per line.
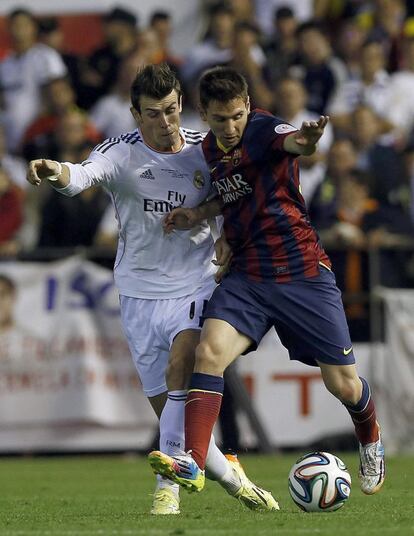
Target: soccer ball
(319,482)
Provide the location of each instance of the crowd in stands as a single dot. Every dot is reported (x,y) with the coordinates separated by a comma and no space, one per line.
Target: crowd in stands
(350,59)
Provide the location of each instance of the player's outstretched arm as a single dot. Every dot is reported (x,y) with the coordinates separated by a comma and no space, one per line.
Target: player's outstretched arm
(54,171)
(304,141)
(181,218)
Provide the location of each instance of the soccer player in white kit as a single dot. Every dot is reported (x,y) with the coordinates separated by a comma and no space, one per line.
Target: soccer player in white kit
(164,281)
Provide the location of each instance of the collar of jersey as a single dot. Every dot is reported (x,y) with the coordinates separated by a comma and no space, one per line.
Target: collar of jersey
(222,148)
(166,152)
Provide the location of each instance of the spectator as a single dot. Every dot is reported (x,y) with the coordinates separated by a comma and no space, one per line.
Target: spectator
(22,74)
(73,132)
(84,215)
(51,34)
(401,90)
(385,24)
(14,166)
(372,89)
(112,114)
(302,9)
(249,59)
(290,104)
(66,224)
(244,11)
(59,99)
(381,162)
(120,28)
(351,38)
(281,48)
(160,24)
(11,210)
(215,49)
(320,72)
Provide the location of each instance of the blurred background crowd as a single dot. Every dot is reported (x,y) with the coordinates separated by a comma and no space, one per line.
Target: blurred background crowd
(350,59)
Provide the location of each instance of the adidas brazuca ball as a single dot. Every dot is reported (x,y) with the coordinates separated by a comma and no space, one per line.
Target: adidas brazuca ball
(319,482)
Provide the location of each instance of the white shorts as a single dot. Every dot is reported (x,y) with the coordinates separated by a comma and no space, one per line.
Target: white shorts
(151,326)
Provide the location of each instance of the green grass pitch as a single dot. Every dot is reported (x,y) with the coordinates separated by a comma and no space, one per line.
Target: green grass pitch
(82,496)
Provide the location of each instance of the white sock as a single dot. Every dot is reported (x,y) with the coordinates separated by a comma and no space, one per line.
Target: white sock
(165,483)
(218,468)
(172,431)
(172,439)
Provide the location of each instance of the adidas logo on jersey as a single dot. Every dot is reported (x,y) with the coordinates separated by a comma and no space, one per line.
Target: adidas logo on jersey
(147,174)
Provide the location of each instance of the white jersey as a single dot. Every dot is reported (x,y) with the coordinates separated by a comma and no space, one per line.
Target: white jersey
(145,185)
(21,78)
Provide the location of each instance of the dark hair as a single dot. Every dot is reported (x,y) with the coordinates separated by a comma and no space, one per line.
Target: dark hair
(159,15)
(245,25)
(47,25)
(221,84)
(22,11)
(372,41)
(8,282)
(283,12)
(119,14)
(155,81)
(220,8)
(311,25)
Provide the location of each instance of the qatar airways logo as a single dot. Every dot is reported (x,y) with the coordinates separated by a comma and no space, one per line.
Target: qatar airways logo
(232,188)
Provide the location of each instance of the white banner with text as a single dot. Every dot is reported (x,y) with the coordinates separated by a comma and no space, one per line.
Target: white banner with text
(67,381)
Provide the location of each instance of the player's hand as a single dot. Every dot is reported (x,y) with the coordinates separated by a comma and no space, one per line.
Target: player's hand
(223,258)
(41,169)
(311,131)
(180,218)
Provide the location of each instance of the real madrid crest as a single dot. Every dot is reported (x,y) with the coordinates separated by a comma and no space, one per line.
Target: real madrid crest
(198,180)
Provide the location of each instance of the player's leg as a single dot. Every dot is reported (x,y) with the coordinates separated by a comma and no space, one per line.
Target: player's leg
(227,471)
(354,392)
(219,346)
(311,323)
(150,359)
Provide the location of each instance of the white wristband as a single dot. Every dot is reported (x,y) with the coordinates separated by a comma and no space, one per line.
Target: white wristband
(56,175)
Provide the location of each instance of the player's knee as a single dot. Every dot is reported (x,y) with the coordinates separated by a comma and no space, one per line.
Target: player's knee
(207,359)
(178,372)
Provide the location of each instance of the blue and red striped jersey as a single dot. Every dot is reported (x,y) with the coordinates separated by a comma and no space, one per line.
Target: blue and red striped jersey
(265,218)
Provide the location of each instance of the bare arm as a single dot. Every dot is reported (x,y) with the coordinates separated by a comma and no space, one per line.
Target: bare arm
(55,172)
(304,141)
(224,255)
(186,218)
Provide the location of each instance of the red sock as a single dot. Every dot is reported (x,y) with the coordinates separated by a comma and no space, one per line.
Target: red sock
(365,422)
(201,412)
(364,417)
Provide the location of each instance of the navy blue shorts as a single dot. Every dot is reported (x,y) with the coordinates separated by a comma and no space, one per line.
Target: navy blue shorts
(308,315)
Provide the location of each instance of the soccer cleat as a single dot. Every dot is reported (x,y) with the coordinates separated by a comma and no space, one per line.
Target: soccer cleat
(249,494)
(165,502)
(372,467)
(182,470)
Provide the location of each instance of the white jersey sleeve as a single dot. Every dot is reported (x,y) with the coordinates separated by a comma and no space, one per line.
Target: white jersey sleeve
(105,163)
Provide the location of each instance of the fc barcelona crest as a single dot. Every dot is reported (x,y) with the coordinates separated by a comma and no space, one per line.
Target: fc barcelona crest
(198,179)
(236,157)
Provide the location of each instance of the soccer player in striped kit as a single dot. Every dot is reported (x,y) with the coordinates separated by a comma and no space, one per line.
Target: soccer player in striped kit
(164,281)
(279,277)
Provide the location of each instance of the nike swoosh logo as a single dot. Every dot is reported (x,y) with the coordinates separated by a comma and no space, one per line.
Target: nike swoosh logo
(346,352)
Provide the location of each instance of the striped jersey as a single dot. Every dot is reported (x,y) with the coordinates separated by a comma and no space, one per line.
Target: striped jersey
(265,218)
(144,186)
